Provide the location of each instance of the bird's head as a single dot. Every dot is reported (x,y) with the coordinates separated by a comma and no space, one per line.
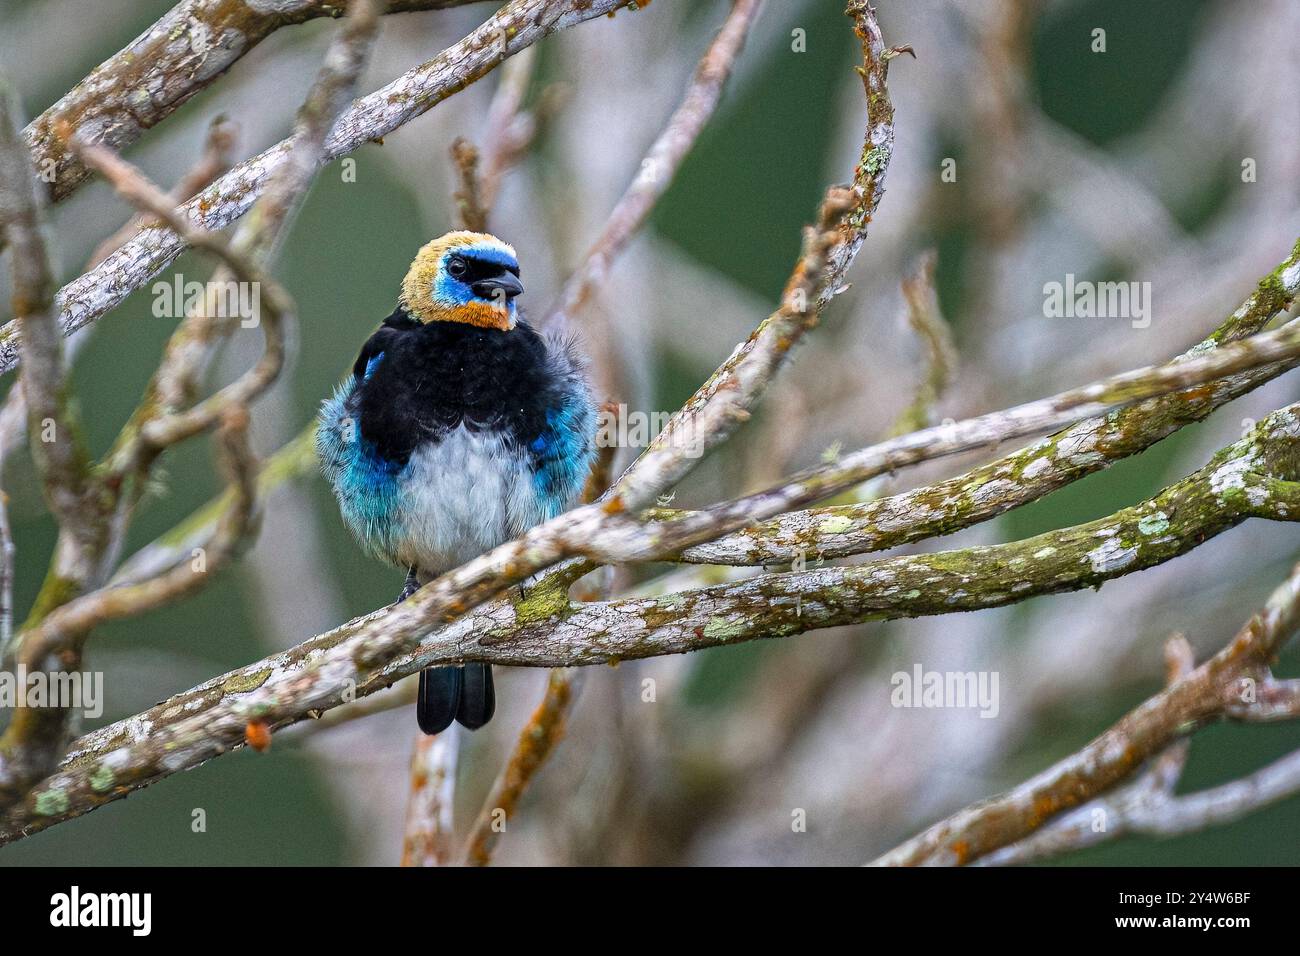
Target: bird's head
(468,277)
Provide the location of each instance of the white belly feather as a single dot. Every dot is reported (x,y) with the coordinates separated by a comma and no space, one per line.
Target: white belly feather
(461,497)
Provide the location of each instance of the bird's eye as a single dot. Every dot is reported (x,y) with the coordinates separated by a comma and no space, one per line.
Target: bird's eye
(456,267)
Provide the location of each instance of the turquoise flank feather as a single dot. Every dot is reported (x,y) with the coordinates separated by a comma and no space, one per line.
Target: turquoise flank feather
(564,453)
(368,487)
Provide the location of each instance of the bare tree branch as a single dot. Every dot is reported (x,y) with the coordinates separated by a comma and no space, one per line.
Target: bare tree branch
(1021,477)
(926,319)
(1188,703)
(363,655)
(661,162)
(516,26)
(6,578)
(145,82)
(428,836)
(1138,809)
(56,443)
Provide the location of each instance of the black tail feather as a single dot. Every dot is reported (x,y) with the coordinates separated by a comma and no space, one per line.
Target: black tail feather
(463,693)
(435,708)
(478,697)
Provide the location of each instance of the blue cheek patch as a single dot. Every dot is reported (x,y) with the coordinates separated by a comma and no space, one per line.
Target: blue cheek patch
(451,292)
(371,366)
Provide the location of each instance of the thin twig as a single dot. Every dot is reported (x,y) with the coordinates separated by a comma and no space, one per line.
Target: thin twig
(661,162)
(216,159)
(940,355)
(6,579)
(510,128)
(540,735)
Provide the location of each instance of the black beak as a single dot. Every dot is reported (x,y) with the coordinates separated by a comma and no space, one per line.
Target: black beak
(506,285)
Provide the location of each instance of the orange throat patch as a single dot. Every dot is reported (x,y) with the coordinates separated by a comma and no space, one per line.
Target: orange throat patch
(479,314)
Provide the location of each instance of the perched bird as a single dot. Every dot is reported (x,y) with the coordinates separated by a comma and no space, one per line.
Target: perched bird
(460,428)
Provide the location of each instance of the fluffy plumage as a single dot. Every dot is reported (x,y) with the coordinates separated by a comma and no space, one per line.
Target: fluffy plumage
(453,435)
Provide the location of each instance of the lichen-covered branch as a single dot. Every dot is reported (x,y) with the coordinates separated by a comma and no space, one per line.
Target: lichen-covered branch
(33,740)
(1134,810)
(1188,703)
(1026,475)
(1106,815)
(517,25)
(163,417)
(153,75)
(546,629)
